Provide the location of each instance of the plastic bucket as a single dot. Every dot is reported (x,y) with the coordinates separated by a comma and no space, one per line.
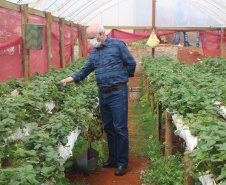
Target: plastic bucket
(86,165)
(135,93)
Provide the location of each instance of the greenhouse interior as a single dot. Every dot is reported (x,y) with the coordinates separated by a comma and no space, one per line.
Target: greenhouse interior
(104,92)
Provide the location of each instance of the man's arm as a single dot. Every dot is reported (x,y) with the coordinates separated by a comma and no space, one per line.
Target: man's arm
(80,75)
(128,59)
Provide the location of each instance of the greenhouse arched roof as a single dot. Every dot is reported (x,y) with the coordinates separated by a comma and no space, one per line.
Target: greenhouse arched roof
(170,13)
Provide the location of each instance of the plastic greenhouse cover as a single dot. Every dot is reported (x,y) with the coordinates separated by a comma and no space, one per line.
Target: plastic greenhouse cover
(169,13)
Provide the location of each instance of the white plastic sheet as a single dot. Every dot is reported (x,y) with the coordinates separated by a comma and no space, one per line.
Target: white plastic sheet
(207,180)
(50,105)
(184,132)
(66,151)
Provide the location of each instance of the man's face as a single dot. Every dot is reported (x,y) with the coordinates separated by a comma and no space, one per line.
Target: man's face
(91,35)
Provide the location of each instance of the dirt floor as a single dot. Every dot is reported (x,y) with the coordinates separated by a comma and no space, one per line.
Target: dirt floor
(136,164)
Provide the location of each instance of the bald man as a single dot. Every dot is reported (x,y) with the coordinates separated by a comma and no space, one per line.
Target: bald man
(113,65)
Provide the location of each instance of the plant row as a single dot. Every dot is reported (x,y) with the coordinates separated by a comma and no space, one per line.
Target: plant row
(35,157)
(191,91)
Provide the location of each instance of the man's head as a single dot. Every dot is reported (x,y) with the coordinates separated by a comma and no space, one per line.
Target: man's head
(96,34)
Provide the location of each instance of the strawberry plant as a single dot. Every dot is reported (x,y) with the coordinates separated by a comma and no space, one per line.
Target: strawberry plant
(36,156)
(191,91)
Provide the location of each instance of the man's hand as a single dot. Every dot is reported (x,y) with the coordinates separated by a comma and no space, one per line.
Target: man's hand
(67,80)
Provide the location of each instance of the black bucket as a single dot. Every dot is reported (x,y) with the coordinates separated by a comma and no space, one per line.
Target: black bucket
(86,164)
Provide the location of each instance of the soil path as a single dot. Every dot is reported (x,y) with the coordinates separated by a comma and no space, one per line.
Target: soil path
(136,164)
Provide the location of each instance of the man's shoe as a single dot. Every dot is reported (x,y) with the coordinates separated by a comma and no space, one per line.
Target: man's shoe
(109,165)
(188,45)
(120,171)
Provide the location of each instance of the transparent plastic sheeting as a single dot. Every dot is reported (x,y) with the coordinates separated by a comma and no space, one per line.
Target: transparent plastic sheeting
(170,13)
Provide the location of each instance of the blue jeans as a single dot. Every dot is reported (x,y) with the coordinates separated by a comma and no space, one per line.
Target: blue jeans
(114,112)
(198,40)
(176,39)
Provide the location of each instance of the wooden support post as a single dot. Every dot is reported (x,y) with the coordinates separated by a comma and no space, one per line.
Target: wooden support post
(153,24)
(152,103)
(48,40)
(145,83)
(222,42)
(62,48)
(159,121)
(168,136)
(80,40)
(85,39)
(188,179)
(72,42)
(25,52)
(148,91)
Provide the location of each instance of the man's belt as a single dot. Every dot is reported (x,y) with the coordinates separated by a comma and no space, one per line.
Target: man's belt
(114,88)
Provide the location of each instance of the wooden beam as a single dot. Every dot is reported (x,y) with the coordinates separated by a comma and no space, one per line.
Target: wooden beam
(152,103)
(129,27)
(25,52)
(153,14)
(85,39)
(72,43)
(80,40)
(9,5)
(48,40)
(145,82)
(168,136)
(36,12)
(165,28)
(153,25)
(62,48)
(148,92)
(188,28)
(159,121)
(222,42)
(188,179)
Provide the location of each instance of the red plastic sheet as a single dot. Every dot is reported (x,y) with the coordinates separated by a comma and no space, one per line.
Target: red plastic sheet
(10,44)
(210,39)
(67,44)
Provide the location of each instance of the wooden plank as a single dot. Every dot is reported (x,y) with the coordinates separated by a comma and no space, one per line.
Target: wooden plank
(168,136)
(80,40)
(67,23)
(188,28)
(148,92)
(72,42)
(62,48)
(36,12)
(152,103)
(85,39)
(145,83)
(164,28)
(57,19)
(129,27)
(188,179)
(25,52)
(9,5)
(48,40)
(75,25)
(153,14)
(159,121)
(222,42)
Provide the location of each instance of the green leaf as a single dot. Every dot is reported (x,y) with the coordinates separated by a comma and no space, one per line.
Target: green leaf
(48,170)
